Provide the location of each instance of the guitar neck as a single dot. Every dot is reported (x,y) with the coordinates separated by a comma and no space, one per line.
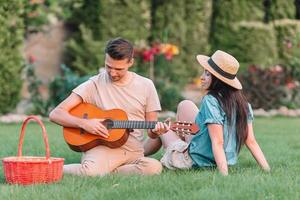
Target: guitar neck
(133,124)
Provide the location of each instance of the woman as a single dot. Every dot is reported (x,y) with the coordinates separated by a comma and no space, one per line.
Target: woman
(225,121)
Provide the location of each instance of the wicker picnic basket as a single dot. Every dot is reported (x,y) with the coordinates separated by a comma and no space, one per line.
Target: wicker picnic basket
(26,170)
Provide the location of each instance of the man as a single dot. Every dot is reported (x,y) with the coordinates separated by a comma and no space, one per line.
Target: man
(116,87)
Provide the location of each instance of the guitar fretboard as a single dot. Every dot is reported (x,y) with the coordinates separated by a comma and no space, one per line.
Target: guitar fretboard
(133,124)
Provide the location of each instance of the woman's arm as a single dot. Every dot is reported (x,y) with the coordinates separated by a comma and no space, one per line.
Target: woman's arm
(255,150)
(216,136)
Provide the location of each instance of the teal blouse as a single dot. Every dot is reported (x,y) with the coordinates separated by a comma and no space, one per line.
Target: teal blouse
(200,149)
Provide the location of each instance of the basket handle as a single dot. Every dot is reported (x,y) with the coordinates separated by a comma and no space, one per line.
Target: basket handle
(33,117)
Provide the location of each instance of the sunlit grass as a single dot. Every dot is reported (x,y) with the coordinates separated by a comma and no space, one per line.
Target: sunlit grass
(278,137)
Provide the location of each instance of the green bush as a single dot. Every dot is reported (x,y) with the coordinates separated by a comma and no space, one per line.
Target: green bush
(86,13)
(255,43)
(37,14)
(169,95)
(288,38)
(85,46)
(11,40)
(198,17)
(271,88)
(226,14)
(168,21)
(169,26)
(164,76)
(62,86)
(39,104)
(129,19)
(112,18)
(282,9)
(86,55)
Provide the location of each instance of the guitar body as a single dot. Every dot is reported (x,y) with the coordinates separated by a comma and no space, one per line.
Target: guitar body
(79,140)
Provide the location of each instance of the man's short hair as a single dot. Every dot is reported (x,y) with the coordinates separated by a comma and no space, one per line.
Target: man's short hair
(119,49)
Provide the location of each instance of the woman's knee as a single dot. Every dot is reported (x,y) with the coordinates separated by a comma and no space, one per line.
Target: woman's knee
(186,111)
(185,104)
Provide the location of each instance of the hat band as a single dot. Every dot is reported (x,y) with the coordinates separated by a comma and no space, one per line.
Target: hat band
(219,70)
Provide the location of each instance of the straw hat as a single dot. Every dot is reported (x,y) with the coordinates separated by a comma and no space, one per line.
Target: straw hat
(223,66)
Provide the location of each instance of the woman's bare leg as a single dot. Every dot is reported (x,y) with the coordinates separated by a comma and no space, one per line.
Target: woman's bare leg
(186,111)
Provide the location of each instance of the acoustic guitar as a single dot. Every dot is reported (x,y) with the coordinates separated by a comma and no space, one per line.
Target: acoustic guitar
(118,125)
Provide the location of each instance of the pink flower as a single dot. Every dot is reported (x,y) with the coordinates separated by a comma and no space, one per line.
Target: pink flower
(290,85)
(31,59)
(276,69)
(289,45)
(168,55)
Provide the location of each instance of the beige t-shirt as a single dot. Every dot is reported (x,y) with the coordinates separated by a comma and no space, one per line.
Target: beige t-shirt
(136,98)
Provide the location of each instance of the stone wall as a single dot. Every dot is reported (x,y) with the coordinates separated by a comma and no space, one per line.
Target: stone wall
(46,48)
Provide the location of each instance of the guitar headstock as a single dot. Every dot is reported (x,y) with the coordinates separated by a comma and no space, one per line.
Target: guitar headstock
(188,128)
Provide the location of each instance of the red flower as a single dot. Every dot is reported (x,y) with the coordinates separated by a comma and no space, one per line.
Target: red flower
(289,45)
(155,50)
(148,56)
(168,50)
(252,69)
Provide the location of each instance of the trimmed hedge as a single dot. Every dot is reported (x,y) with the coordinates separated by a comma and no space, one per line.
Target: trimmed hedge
(255,43)
(11,40)
(168,25)
(226,14)
(287,33)
(85,55)
(86,12)
(129,19)
(85,48)
(198,18)
(282,9)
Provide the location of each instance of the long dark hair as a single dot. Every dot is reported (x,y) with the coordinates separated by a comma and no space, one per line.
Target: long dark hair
(234,104)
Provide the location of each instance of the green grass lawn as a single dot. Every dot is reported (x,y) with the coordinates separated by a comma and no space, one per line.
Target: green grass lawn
(278,137)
